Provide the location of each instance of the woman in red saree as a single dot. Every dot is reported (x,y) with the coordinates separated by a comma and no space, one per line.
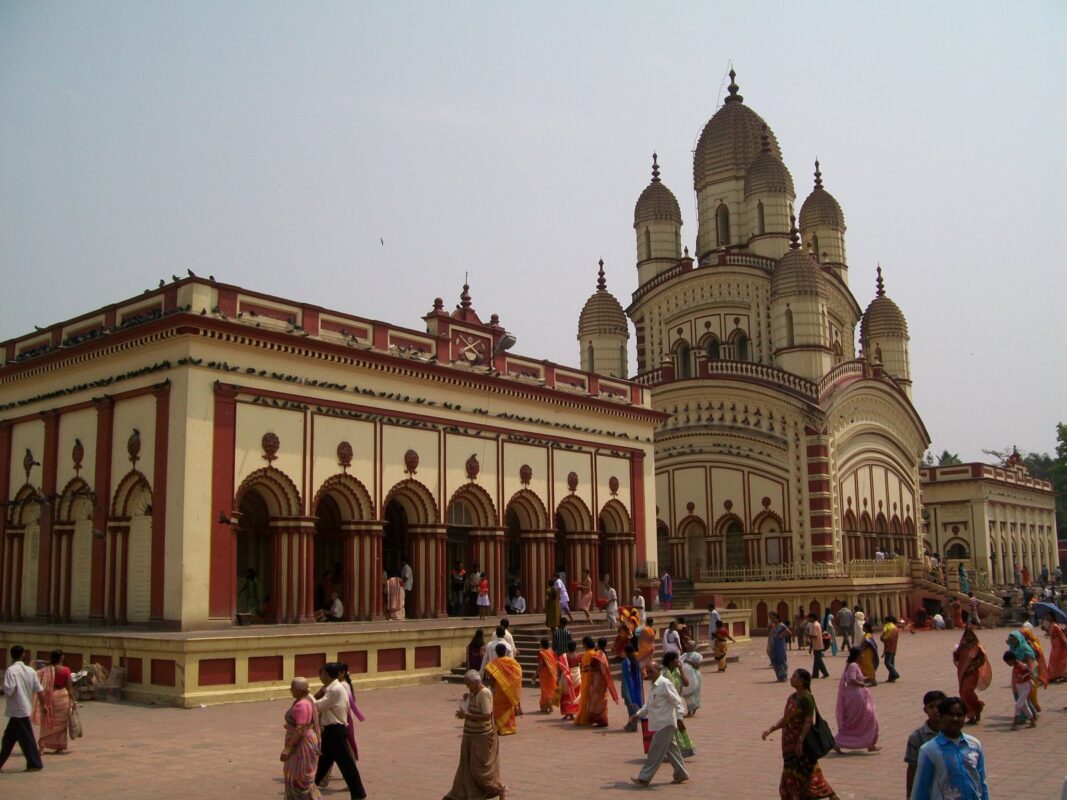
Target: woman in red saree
(547,670)
(570,682)
(52,710)
(974,672)
(1057,663)
(597,683)
(802,777)
(506,676)
(300,755)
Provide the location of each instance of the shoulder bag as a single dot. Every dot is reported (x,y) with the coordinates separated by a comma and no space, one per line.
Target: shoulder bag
(74,724)
(820,739)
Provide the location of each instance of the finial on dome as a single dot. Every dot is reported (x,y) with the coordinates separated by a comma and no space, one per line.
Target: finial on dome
(601,283)
(655,168)
(818,175)
(465,295)
(732,88)
(794,234)
(879,284)
(687,251)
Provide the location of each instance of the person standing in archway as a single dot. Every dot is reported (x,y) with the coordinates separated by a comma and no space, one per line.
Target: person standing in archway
(666,590)
(408,578)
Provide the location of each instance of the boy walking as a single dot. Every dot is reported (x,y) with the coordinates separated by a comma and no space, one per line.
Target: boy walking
(922,735)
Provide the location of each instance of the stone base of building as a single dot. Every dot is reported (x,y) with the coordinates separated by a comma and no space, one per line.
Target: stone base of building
(239,664)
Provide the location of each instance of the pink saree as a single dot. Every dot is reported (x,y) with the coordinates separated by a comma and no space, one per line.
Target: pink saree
(52,712)
(299,768)
(857,724)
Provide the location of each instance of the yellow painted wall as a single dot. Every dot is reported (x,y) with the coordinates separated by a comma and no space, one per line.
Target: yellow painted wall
(25,435)
(76,425)
(253,421)
(515,455)
(328,432)
(140,413)
(565,462)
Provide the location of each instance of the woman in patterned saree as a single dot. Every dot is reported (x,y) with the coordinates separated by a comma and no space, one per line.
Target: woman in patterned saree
(300,756)
(672,669)
(52,711)
(802,778)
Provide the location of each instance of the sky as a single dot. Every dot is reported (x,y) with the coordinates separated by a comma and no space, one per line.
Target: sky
(365,157)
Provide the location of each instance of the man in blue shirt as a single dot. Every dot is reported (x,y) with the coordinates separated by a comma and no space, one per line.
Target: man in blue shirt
(952,764)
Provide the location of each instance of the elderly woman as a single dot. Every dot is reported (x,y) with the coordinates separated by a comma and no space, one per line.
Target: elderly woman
(300,755)
(52,708)
(478,773)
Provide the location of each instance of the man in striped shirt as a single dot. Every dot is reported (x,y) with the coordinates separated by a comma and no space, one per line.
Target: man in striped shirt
(561,638)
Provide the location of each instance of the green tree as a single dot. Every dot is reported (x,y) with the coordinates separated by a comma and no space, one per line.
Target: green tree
(947,459)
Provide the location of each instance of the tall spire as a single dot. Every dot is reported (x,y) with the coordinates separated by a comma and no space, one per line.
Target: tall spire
(733,97)
(818,174)
(794,234)
(879,284)
(655,168)
(465,295)
(601,282)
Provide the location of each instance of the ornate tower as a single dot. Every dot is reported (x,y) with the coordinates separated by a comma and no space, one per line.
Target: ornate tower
(798,314)
(822,228)
(768,204)
(658,225)
(602,332)
(884,336)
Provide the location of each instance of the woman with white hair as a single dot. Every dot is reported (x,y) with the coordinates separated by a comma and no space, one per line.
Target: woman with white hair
(300,755)
(478,773)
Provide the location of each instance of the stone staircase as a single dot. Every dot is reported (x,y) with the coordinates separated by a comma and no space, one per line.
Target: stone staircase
(528,641)
(989,610)
(683,592)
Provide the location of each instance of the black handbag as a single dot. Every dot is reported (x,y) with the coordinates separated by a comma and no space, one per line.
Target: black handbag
(820,739)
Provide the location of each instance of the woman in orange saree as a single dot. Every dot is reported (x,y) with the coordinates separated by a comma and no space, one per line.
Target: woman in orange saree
(52,710)
(570,682)
(1057,663)
(1027,630)
(596,683)
(974,672)
(646,645)
(547,670)
(506,676)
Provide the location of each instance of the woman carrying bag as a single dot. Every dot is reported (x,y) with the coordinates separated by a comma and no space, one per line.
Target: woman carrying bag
(55,709)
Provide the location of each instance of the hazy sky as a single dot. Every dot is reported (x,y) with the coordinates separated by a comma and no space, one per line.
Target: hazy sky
(275,144)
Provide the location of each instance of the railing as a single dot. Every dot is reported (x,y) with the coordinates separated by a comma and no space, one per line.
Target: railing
(803,571)
(847,368)
(751,369)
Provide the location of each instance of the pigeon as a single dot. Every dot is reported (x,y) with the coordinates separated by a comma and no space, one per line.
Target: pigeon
(382,241)
(175,278)
(211,278)
(191,273)
(162,283)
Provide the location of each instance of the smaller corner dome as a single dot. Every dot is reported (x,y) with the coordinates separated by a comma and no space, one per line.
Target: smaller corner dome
(657,202)
(883,317)
(821,208)
(767,174)
(602,314)
(796,273)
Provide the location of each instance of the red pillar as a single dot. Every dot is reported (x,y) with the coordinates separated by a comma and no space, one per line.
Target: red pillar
(536,547)
(49,467)
(222,593)
(105,418)
(487,546)
(159,501)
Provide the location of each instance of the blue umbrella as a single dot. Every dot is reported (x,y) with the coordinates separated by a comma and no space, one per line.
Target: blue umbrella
(1049,608)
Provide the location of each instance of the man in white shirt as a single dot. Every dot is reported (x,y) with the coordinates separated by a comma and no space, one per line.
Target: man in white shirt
(21,686)
(518,603)
(713,622)
(333,716)
(335,613)
(408,577)
(564,596)
(664,710)
(672,640)
(500,636)
(612,607)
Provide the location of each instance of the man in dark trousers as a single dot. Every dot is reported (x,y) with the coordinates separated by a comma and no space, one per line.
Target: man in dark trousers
(21,686)
(333,714)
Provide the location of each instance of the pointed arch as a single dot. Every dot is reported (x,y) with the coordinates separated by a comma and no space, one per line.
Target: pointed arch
(683,359)
(849,522)
(276,489)
(418,502)
(351,496)
(723,522)
(722,224)
(866,524)
(572,515)
(764,519)
(881,524)
(479,502)
(75,501)
(710,345)
(761,222)
(25,510)
(615,518)
(133,497)
(529,509)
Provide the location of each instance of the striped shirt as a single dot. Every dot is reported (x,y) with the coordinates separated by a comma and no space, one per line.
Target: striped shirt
(561,637)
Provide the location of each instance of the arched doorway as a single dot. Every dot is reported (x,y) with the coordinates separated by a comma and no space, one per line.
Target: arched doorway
(329,551)
(575,538)
(733,534)
(255,566)
(74,531)
(529,545)
(663,547)
(460,519)
(694,532)
(395,536)
(130,550)
(413,530)
(22,544)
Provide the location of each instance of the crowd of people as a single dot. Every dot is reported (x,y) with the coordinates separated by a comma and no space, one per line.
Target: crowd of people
(44,697)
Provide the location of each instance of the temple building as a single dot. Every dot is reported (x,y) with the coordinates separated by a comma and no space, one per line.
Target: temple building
(791,452)
(154,451)
(996,519)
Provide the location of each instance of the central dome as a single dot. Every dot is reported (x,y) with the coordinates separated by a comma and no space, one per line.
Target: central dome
(730,141)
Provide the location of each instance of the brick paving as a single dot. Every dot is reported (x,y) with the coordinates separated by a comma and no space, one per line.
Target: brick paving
(409,744)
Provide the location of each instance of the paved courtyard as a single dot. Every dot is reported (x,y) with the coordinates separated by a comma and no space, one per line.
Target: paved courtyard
(409,743)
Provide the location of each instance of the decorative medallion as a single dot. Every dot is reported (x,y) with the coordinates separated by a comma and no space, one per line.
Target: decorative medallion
(28,463)
(690,506)
(344,456)
(525,474)
(77,454)
(133,446)
(572,482)
(955,528)
(473,467)
(728,504)
(270,444)
(411,462)
(613,485)
(766,502)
